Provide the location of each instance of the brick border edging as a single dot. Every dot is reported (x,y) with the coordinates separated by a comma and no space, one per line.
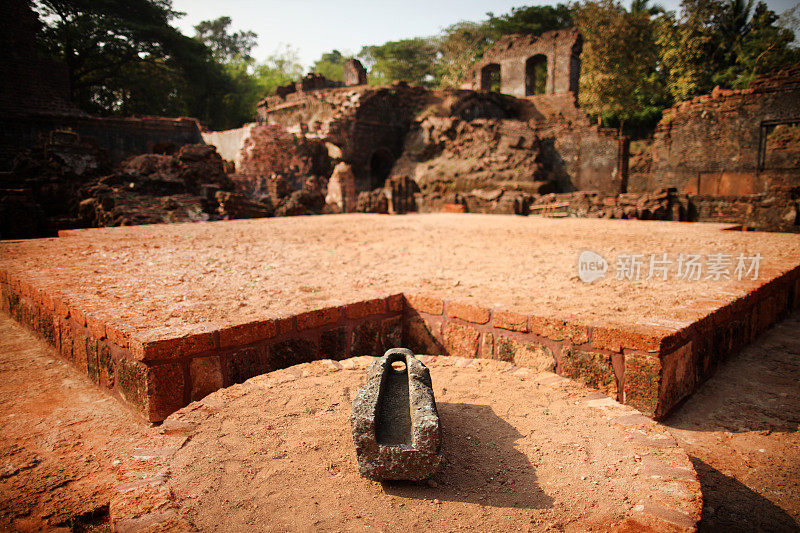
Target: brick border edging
(157,377)
(673,502)
(650,368)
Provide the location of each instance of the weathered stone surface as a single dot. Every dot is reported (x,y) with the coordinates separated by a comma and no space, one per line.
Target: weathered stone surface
(394,421)
(366,339)
(333,343)
(528,354)
(423,336)
(206,376)
(590,368)
(342,188)
(642,382)
(461,340)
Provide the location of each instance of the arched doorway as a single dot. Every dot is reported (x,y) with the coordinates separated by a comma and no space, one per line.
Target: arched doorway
(536,75)
(490,78)
(380,165)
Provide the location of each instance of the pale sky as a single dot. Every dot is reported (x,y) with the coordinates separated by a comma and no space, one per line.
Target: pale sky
(313,27)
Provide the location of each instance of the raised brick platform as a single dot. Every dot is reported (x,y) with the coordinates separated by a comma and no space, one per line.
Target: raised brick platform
(164,315)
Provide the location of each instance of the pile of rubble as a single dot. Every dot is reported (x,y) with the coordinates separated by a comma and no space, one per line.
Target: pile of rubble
(155,188)
(449,155)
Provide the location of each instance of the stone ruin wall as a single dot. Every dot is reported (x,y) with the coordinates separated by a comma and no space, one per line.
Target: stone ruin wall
(34,100)
(710,145)
(721,153)
(582,156)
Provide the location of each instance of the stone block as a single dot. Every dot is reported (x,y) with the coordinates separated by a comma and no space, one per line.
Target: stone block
(394,422)
(525,353)
(65,343)
(291,352)
(461,340)
(206,376)
(510,321)
(76,314)
(468,312)
(615,339)
(392,333)
(245,363)
(487,346)
(394,303)
(366,308)
(642,382)
(106,364)
(559,330)
(131,381)
(678,378)
(80,356)
(285,325)
(319,317)
(425,304)
(165,385)
(174,348)
(423,336)
(47,328)
(593,369)
(245,334)
(92,360)
(96,327)
(366,339)
(333,343)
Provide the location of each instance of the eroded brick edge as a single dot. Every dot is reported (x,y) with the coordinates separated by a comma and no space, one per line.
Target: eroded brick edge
(650,367)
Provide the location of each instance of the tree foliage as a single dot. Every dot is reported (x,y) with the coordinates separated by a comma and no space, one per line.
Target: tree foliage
(720,42)
(226,46)
(331,65)
(531,20)
(409,60)
(619,62)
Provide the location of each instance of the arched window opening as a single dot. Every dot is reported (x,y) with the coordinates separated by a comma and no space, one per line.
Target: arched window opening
(490,78)
(536,75)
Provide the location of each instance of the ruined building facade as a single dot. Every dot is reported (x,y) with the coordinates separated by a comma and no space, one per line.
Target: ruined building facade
(517,128)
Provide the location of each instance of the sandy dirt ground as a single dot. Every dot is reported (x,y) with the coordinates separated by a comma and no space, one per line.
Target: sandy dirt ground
(517,456)
(741,431)
(60,438)
(166,280)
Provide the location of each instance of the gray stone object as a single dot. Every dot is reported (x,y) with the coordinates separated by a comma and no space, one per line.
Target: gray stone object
(394,421)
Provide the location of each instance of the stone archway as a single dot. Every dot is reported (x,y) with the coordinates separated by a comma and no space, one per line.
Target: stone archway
(380,165)
(491,79)
(536,75)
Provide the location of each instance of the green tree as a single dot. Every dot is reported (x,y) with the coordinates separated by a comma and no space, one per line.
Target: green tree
(225,45)
(531,20)
(721,42)
(461,45)
(410,60)
(280,68)
(99,39)
(619,77)
(331,65)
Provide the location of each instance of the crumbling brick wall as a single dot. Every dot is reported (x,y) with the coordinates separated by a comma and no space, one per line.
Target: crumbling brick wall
(711,144)
(512,53)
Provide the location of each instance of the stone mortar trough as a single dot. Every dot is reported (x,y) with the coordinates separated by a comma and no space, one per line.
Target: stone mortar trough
(394,422)
(521,450)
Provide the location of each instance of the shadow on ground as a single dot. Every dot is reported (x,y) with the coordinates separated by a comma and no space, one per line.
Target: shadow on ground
(729,505)
(480,464)
(741,431)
